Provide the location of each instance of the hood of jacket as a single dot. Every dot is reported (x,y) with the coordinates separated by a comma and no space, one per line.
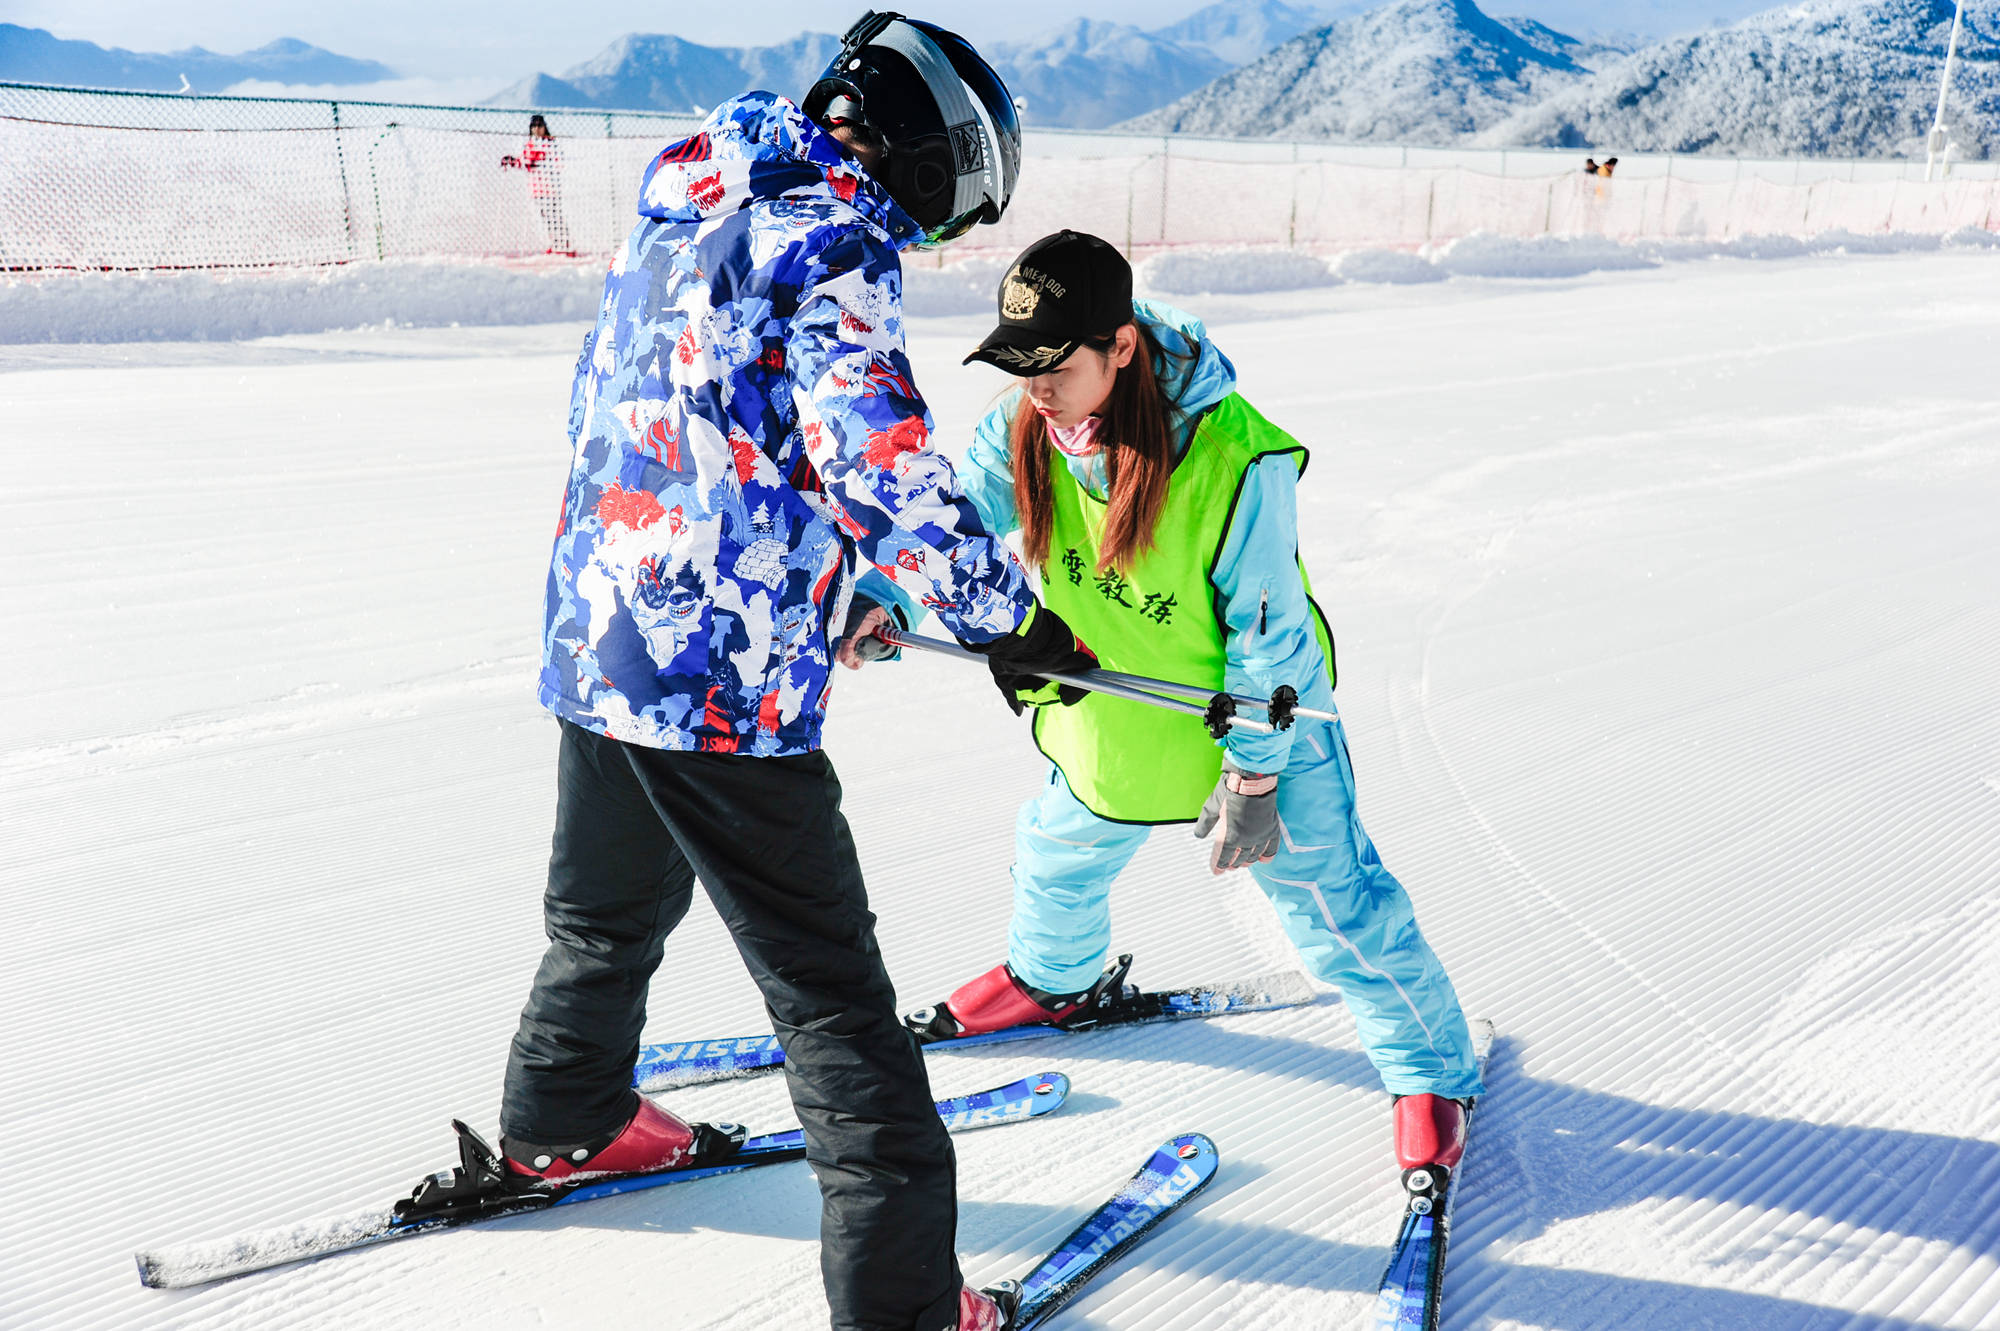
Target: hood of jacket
(1194,374)
(761,147)
(1192,371)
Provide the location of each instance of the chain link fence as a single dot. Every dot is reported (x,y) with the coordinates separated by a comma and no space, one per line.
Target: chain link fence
(1169,194)
(101,180)
(105,180)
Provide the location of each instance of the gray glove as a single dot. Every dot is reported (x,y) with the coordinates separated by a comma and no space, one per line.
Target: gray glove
(862,649)
(1250,831)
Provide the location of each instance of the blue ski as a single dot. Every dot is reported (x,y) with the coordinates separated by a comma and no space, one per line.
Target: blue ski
(691,1063)
(1030,1097)
(182,1265)
(1411,1297)
(1179,1169)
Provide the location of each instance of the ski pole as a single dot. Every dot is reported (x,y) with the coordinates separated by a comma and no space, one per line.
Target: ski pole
(1281,709)
(1097,681)
(1240,699)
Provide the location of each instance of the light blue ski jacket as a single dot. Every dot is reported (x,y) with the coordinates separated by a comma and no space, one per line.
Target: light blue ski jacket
(1269,639)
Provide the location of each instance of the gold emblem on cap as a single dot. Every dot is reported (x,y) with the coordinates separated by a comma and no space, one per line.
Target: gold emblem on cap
(1017,299)
(1031,358)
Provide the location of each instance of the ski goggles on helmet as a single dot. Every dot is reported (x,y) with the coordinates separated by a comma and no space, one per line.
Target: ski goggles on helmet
(940,119)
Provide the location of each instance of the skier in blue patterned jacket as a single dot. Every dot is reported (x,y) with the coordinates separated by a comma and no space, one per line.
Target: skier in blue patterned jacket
(746,423)
(749,447)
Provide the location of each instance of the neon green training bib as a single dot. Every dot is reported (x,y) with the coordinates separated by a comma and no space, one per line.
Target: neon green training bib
(1127,761)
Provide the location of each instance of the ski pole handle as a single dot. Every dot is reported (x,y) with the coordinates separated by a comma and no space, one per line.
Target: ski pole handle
(1107,682)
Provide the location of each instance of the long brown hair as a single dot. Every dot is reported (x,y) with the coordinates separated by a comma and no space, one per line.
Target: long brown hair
(1139,461)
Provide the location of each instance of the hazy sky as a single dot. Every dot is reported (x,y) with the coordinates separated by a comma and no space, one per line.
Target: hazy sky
(497,41)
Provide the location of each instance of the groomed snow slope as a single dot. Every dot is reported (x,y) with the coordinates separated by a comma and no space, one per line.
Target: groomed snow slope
(1669,607)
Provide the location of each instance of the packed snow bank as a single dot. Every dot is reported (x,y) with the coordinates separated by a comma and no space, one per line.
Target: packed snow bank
(1235,272)
(221,306)
(209,305)
(1238,271)
(417,293)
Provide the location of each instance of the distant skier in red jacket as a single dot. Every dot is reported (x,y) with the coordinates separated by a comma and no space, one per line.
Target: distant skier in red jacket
(542,160)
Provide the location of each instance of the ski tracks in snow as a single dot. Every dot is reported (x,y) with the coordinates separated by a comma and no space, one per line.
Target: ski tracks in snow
(1803,1168)
(307,710)
(1667,619)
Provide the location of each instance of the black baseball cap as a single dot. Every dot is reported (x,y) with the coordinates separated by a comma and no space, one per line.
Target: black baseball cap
(1063,289)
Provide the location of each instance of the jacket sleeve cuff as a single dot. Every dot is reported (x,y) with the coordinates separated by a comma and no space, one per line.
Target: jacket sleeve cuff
(1250,752)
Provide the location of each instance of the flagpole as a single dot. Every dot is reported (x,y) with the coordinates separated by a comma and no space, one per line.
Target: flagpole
(1936,145)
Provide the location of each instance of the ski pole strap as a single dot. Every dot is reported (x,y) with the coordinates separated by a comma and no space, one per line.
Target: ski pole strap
(1106,682)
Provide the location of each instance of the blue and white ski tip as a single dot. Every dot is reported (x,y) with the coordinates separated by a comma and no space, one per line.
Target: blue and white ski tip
(1030,1097)
(665,1066)
(1180,1168)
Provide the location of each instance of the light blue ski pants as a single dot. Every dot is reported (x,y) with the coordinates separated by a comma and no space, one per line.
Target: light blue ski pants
(1348,916)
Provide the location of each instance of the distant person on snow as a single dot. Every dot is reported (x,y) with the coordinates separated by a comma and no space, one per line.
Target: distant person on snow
(542,160)
(1161,511)
(1590,167)
(747,434)
(1607,166)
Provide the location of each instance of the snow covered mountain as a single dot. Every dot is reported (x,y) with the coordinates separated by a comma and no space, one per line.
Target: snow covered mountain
(1591,53)
(34,55)
(1842,78)
(1412,71)
(655,71)
(1085,74)
(1088,74)
(1238,31)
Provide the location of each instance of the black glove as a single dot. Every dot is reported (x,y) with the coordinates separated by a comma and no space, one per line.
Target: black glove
(1047,646)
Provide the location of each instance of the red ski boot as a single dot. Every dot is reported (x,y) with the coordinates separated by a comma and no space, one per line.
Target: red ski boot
(998,999)
(651,1139)
(487,1181)
(1430,1141)
(1430,1130)
(988,1309)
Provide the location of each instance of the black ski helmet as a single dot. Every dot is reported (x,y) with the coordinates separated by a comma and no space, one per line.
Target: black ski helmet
(943,119)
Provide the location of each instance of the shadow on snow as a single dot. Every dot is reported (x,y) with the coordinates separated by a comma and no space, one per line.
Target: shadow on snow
(1545,1153)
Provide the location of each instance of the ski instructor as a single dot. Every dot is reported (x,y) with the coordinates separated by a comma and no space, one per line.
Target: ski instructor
(747,436)
(1162,511)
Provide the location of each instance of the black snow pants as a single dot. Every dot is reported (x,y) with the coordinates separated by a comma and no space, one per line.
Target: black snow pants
(634,828)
